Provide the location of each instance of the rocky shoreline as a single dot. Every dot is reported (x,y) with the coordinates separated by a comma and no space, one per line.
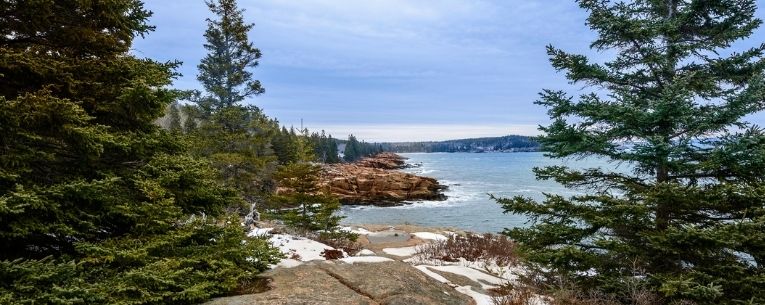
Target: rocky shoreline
(378,181)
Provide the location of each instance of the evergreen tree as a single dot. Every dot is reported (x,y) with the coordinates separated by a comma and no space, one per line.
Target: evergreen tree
(352,150)
(301,201)
(325,147)
(685,214)
(286,146)
(98,204)
(304,205)
(224,72)
(192,114)
(331,151)
(175,119)
(237,139)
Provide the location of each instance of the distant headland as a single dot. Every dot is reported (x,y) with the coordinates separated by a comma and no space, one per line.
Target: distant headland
(509,143)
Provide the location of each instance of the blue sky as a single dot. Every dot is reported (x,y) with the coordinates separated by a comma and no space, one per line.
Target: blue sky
(394,70)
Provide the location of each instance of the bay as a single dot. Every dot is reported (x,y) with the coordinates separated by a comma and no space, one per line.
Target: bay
(471,177)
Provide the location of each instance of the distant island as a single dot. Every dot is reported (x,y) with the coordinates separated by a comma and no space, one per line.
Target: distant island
(510,143)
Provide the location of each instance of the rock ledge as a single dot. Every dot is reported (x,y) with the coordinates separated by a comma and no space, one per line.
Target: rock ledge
(377,181)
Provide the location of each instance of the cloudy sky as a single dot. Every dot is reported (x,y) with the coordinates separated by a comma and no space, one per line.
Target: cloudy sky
(394,70)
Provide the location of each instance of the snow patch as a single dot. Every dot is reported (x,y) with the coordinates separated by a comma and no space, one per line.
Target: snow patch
(365,259)
(365,252)
(360,231)
(435,276)
(480,298)
(306,249)
(429,236)
(486,280)
(403,251)
(259,232)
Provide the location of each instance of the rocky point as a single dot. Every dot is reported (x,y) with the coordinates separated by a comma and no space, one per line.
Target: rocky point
(377,180)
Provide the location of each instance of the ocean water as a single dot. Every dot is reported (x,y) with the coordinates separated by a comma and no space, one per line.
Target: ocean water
(471,177)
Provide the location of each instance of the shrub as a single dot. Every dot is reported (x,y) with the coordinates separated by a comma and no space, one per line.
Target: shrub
(513,295)
(487,248)
(331,254)
(340,240)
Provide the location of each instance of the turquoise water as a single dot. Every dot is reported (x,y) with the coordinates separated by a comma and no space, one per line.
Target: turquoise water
(470,178)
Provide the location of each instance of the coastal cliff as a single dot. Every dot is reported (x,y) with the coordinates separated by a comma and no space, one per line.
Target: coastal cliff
(377,180)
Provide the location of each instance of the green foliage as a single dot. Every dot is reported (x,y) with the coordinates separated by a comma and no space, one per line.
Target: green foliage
(685,213)
(355,150)
(224,71)
(192,115)
(181,266)
(175,119)
(325,147)
(97,203)
(301,203)
(237,141)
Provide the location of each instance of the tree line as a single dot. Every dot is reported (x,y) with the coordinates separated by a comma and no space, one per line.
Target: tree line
(511,143)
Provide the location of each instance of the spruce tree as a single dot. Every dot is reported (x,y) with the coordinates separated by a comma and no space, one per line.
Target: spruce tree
(237,138)
(98,205)
(224,72)
(192,115)
(301,201)
(175,118)
(352,150)
(684,214)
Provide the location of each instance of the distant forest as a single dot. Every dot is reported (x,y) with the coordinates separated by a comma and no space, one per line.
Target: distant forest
(511,143)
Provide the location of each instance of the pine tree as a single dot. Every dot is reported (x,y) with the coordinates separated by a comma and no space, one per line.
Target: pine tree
(684,216)
(352,150)
(98,204)
(192,115)
(304,205)
(301,202)
(237,139)
(224,72)
(175,119)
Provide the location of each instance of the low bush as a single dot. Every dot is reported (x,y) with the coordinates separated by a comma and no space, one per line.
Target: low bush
(339,239)
(331,254)
(487,248)
(512,295)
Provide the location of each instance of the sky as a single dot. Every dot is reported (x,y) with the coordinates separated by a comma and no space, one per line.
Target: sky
(395,70)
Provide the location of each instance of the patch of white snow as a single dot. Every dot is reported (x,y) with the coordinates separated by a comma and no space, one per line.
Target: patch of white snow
(365,259)
(432,274)
(365,252)
(429,236)
(480,298)
(259,232)
(486,280)
(306,249)
(403,251)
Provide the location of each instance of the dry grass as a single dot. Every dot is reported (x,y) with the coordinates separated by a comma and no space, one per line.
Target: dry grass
(492,248)
(524,295)
(513,295)
(330,254)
